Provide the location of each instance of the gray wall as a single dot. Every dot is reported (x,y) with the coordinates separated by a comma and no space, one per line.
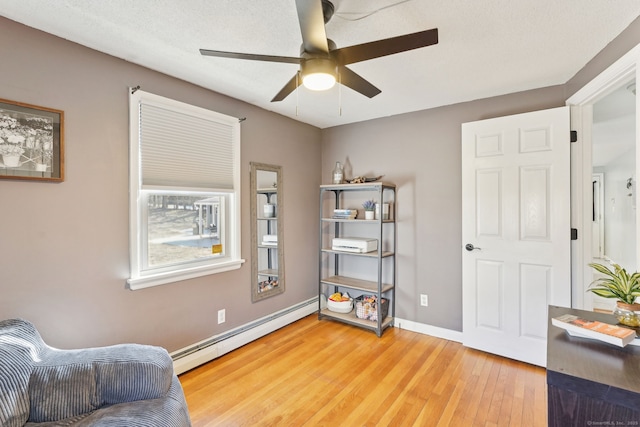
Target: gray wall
(64,247)
(622,44)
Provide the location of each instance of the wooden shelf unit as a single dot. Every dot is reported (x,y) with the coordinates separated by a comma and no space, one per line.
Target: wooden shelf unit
(384,230)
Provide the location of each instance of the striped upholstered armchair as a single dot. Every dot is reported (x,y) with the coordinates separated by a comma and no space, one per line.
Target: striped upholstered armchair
(120,385)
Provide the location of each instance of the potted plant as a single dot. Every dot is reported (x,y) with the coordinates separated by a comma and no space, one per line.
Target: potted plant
(369,207)
(624,287)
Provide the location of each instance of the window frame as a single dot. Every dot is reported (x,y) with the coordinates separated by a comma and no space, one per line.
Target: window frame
(140,277)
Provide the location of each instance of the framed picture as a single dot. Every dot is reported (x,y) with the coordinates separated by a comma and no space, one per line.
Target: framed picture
(31,142)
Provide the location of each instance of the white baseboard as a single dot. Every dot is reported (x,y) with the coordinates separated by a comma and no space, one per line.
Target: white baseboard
(218,345)
(433,331)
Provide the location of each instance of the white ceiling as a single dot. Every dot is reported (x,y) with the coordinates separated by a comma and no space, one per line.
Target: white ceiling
(486,48)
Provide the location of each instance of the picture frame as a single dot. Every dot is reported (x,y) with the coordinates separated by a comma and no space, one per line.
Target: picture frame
(31,142)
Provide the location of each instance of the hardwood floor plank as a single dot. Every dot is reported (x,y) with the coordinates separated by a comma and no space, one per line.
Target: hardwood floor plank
(368,382)
(481,371)
(390,387)
(420,391)
(459,380)
(403,404)
(316,373)
(518,397)
(540,398)
(461,405)
(493,414)
(487,392)
(506,403)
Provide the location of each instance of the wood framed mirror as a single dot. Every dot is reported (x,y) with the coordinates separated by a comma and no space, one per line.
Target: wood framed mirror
(267,231)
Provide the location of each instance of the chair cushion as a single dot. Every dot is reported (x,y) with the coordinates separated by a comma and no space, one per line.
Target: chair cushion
(68,383)
(170,410)
(20,346)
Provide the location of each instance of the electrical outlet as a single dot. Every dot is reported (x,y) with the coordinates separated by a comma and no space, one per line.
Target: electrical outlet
(424,300)
(221,316)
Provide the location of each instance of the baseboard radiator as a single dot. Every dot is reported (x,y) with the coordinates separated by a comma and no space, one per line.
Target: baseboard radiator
(211,348)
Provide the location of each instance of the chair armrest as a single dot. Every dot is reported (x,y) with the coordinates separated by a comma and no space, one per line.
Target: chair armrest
(66,383)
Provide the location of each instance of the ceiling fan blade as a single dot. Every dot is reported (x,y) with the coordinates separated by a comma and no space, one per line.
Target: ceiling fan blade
(311,17)
(379,48)
(287,89)
(357,83)
(250,56)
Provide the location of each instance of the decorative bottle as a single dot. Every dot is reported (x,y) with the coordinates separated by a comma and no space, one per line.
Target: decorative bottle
(338,174)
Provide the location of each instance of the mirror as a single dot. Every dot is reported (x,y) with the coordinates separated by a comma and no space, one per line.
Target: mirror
(614,177)
(267,241)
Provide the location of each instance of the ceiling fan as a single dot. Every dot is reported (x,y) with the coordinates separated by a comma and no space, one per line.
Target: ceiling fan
(321,62)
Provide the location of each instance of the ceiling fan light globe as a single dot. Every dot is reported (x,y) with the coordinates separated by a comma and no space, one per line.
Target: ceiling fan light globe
(319,81)
(318,73)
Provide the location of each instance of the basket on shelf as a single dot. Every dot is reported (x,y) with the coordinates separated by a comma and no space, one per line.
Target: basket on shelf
(343,303)
(367,307)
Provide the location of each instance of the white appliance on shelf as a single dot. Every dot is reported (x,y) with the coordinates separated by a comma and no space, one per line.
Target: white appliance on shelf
(270,240)
(354,244)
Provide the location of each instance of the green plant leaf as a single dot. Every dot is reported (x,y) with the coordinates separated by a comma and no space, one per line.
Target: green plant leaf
(617,283)
(605,293)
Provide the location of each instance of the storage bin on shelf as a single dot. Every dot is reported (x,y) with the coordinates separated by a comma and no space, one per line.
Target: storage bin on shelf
(341,305)
(367,307)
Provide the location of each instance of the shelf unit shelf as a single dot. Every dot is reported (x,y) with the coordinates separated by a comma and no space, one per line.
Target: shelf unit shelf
(372,254)
(357,220)
(351,318)
(271,272)
(357,284)
(384,230)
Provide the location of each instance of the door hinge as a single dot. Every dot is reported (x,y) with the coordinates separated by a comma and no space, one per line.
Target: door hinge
(574,136)
(574,234)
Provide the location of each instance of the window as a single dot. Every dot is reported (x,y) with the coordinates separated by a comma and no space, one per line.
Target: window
(184,208)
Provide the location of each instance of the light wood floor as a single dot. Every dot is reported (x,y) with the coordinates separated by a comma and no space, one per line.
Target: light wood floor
(323,373)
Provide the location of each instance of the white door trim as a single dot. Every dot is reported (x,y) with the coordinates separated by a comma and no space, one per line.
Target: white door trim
(623,70)
(620,71)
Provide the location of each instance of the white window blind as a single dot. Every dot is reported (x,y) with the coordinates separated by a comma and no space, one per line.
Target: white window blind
(181,154)
(185,150)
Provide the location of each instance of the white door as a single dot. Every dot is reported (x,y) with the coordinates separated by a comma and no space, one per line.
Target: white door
(516,231)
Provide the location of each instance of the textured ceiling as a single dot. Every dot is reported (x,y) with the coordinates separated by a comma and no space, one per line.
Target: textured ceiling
(486,48)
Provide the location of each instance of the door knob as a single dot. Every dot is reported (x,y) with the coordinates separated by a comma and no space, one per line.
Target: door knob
(470,247)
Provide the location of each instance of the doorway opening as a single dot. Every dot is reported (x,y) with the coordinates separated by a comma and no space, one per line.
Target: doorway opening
(604,168)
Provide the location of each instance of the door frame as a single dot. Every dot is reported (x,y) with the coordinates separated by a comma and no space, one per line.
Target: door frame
(623,70)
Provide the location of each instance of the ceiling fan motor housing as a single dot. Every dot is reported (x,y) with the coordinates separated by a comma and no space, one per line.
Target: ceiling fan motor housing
(327,10)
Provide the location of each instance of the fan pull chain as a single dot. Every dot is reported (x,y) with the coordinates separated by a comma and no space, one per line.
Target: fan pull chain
(339,94)
(297,90)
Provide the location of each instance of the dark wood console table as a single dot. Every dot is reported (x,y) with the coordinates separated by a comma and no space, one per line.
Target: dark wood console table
(590,382)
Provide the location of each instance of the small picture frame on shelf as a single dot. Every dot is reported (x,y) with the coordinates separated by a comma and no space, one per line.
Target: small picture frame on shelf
(31,142)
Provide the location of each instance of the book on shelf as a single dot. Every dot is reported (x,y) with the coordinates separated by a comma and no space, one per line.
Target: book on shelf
(580,327)
(344,214)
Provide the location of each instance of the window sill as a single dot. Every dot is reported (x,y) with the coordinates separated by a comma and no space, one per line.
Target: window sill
(136,283)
